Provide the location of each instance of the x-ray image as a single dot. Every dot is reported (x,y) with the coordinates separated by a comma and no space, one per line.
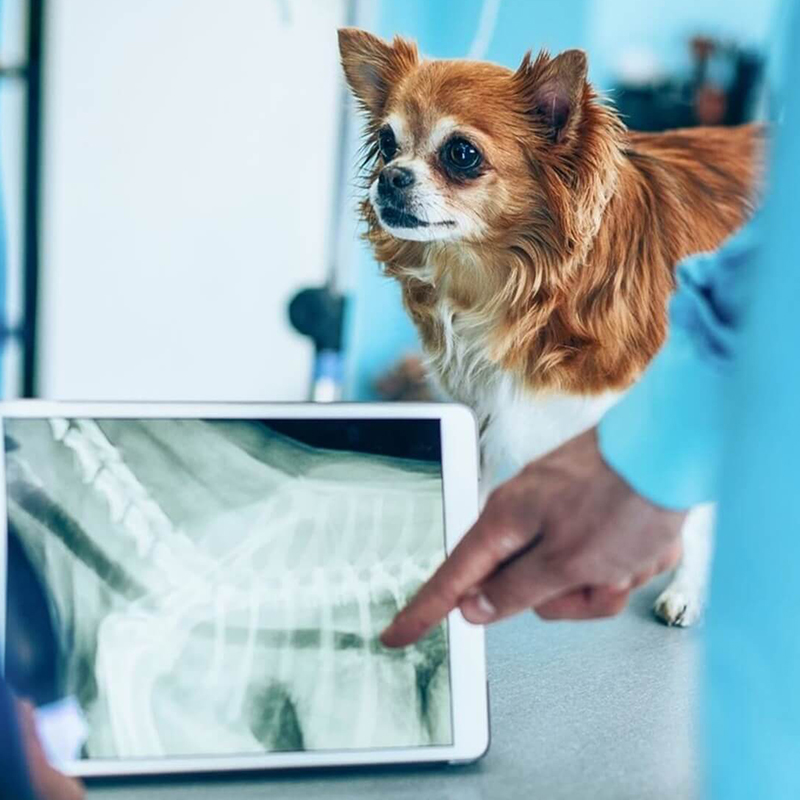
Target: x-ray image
(217,586)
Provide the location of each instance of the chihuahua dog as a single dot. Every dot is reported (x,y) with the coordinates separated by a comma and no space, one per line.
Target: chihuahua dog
(535,240)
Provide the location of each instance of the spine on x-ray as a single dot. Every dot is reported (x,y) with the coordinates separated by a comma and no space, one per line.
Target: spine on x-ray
(130,505)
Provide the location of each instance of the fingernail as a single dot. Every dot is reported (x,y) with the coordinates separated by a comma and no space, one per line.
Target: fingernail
(477,609)
(623,585)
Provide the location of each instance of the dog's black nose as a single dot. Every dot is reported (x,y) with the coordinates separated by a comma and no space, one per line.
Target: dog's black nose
(394,179)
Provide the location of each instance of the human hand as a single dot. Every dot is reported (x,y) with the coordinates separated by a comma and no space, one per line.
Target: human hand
(47,782)
(566,537)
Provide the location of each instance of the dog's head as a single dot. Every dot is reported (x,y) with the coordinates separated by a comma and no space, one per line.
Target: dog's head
(465,151)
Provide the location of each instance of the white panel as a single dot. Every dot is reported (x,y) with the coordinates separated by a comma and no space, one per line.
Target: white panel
(189,160)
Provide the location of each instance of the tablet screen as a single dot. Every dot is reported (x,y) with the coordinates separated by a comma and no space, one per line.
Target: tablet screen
(216,587)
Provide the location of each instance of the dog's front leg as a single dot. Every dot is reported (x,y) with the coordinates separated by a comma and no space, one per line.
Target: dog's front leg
(683,601)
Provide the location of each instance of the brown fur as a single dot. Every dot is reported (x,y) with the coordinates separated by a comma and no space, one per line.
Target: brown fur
(584,224)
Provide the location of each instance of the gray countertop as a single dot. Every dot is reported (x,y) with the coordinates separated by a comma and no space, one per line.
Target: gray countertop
(589,711)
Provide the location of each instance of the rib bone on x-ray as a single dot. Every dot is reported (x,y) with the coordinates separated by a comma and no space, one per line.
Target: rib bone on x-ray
(218,588)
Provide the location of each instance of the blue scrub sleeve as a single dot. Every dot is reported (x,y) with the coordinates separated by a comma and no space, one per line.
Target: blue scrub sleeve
(665,436)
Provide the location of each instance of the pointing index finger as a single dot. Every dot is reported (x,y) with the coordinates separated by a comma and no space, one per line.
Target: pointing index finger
(485,546)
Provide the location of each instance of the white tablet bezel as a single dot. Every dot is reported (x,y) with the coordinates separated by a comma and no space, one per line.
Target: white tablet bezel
(466,642)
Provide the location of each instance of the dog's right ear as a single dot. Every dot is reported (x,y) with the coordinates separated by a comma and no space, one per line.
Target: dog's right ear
(372,66)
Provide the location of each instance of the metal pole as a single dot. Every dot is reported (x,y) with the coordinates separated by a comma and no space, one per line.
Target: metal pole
(327,379)
(33,141)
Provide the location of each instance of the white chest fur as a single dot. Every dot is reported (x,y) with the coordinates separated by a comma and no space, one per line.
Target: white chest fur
(517,425)
(522,426)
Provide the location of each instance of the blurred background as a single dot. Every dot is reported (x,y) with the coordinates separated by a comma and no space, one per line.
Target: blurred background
(177,177)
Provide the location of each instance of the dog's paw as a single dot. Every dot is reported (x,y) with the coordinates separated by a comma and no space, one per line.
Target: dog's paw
(679,606)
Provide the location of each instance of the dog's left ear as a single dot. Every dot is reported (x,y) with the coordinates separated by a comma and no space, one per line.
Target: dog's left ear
(552,90)
(372,66)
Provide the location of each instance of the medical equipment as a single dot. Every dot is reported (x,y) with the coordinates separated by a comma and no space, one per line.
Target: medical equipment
(217,586)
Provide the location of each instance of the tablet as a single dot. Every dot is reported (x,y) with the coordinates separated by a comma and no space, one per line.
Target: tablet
(189,588)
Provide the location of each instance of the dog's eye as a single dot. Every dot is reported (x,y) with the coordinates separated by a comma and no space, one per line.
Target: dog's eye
(387,144)
(461,155)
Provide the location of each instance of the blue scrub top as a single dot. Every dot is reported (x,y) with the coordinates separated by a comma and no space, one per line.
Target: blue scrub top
(718,416)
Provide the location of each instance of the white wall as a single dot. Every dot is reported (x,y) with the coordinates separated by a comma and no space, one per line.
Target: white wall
(189,167)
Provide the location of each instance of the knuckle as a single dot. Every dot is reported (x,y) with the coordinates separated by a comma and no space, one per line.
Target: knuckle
(548,613)
(612,606)
(507,540)
(502,500)
(484,538)
(570,569)
(505,533)
(508,593)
